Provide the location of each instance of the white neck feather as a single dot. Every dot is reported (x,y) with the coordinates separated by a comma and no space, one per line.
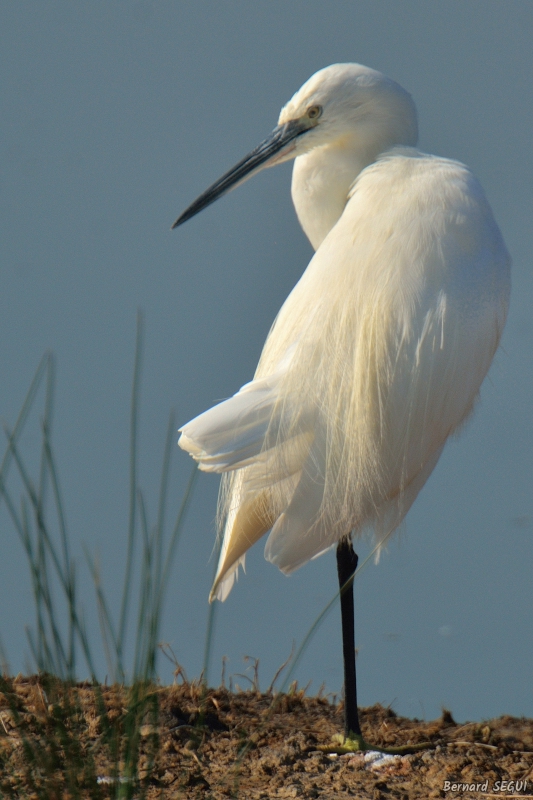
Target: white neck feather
(321,180)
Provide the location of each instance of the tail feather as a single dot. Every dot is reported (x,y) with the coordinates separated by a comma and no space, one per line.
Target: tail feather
(251,521)
(300,533)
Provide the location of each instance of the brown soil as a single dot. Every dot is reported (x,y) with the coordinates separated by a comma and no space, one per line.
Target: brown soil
(218,744)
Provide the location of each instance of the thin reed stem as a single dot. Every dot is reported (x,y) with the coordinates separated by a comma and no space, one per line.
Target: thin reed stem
(134,423)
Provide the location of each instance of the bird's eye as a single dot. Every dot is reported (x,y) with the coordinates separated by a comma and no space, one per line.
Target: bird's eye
(314,112)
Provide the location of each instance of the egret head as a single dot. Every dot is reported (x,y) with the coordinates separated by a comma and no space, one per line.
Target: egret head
(341,105)
(352,104)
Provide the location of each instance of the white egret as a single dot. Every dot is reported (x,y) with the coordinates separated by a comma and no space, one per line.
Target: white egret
(378,353)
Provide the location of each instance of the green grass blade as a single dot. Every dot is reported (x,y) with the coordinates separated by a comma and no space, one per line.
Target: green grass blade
(134,421)
(211,618)
(44,365)
(107,629)
(146,594)
(163,494)
(70,585)
(176,533)
(46,541)
(321,617)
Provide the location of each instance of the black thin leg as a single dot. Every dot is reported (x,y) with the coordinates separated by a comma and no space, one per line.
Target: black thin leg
(346,566)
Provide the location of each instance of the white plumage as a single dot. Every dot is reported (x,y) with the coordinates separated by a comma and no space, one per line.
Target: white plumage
(378,353)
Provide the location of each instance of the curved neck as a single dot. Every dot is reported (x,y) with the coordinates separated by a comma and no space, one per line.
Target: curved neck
(321,180)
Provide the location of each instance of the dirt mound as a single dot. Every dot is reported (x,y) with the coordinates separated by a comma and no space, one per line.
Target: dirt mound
(217,744)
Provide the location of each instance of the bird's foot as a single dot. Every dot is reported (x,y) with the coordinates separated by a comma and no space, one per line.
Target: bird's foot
(354,743)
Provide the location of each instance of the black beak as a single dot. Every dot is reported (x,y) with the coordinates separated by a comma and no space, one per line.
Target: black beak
(274,145)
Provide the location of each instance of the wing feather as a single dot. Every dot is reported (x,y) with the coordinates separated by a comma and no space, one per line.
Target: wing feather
(374,360)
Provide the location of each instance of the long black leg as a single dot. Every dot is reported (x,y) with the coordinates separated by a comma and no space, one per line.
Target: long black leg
(346,566)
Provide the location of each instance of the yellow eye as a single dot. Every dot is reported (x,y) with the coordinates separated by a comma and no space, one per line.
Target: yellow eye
(314,112)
